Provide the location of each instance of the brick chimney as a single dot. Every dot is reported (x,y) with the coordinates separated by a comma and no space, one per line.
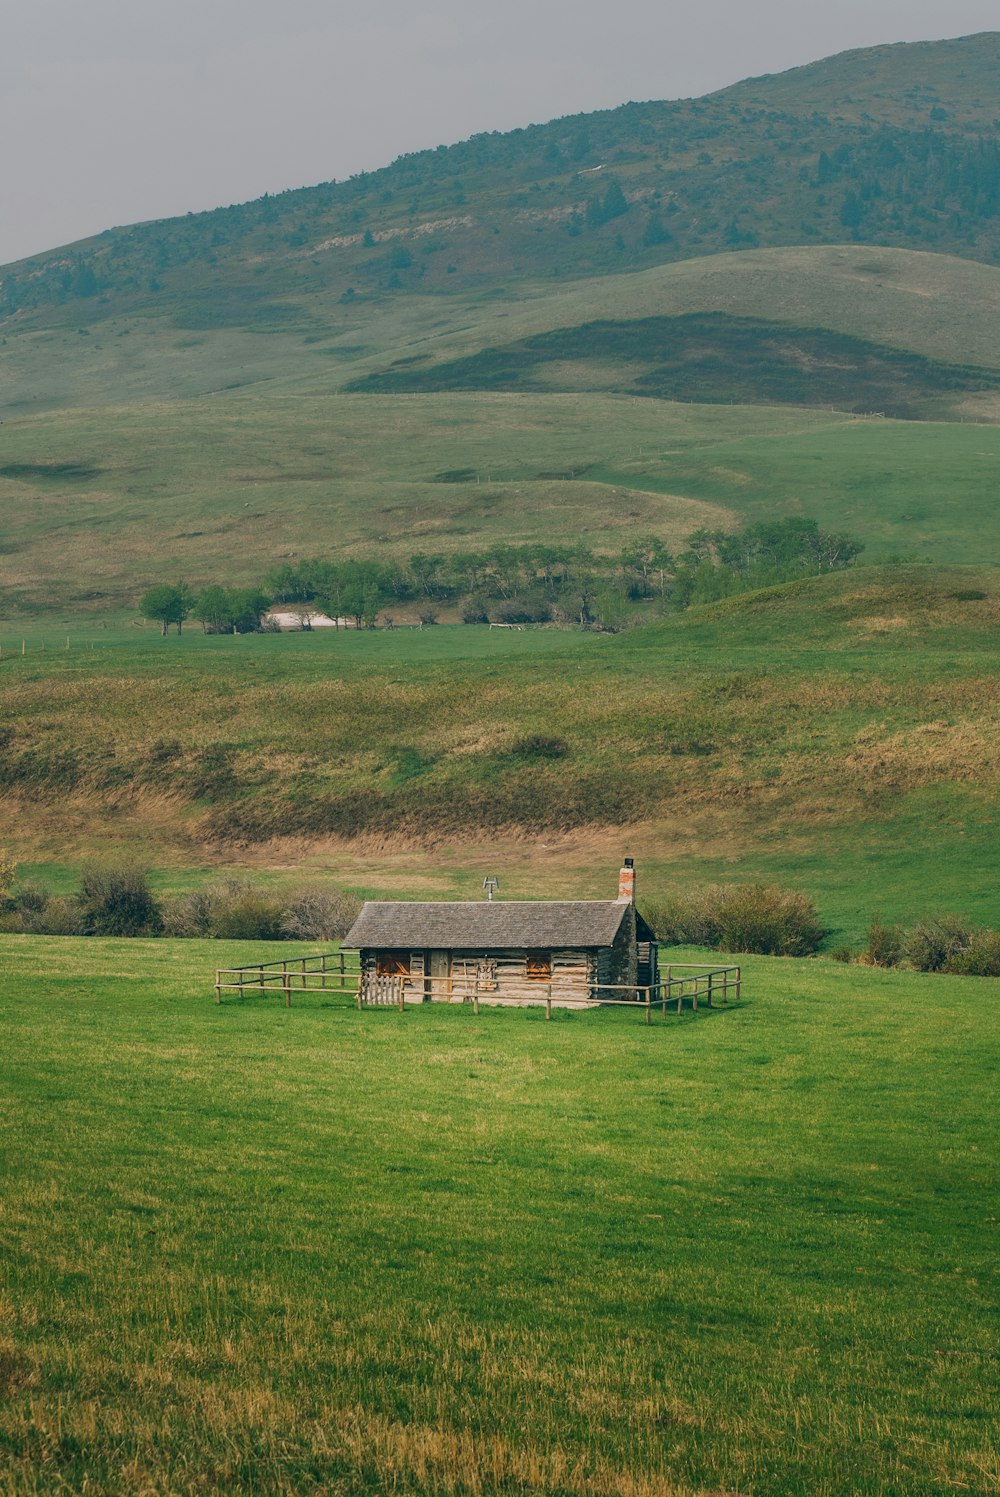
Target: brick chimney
(626,882)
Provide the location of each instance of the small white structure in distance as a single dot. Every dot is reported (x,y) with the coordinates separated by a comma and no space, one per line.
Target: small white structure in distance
(285,618)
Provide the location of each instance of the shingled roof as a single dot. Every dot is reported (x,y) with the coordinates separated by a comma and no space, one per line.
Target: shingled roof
(486,925)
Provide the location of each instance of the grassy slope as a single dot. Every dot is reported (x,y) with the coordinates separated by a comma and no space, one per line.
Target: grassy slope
(223,490)
(935,304)
(246,1247)
(285,465)
(838,735)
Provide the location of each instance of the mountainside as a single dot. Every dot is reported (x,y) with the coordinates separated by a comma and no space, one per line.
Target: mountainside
(893,145)
(605,329)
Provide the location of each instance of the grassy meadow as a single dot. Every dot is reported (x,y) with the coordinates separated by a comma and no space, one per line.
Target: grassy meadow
(936,305)
(99,504)
(250,1249)
(838,735)
(133,448)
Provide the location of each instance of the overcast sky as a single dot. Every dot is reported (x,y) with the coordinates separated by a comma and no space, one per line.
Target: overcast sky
(113,111)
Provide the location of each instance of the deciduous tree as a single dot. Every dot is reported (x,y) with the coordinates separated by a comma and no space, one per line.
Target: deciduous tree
(168,603)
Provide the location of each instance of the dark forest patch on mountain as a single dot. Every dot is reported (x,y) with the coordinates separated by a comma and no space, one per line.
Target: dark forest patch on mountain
(705,358)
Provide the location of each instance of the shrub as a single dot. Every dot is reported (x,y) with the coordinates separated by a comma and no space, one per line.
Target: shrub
(885,944)
(116,900)
(29,899)
(981,958)
(243,913)
(319,914)
(232,910)
(524,611)
(62,916)
(236,910)
(741,917)
(474,612)
(190,914)
(32,911)
(842,954)
(931,944)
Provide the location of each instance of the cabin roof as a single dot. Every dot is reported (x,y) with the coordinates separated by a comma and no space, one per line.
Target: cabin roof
(482,925)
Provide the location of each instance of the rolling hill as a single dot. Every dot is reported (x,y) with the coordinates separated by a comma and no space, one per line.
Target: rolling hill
(838,733)
(213,394)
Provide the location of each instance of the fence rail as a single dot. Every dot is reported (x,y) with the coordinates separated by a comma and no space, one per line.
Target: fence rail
(328,972)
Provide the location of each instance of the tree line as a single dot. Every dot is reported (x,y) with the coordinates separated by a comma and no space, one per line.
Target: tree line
(531,583)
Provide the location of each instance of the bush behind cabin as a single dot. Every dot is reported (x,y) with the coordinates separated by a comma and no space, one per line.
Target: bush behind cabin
(116,900)
(942,943)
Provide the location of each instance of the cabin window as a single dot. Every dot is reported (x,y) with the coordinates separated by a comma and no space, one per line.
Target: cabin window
(538,966)
(392,963)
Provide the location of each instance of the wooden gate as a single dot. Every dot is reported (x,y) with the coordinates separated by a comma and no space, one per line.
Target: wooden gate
(385,991)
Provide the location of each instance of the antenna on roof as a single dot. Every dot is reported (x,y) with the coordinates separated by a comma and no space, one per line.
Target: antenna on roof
(490,884)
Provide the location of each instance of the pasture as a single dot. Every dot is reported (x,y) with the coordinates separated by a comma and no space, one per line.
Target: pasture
(225,489)
(150,450)
(837,735)
(252,1249)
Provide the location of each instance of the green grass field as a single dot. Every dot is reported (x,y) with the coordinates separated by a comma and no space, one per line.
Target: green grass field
(247,1249)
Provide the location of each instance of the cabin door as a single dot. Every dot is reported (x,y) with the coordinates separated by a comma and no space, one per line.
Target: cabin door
(440,975)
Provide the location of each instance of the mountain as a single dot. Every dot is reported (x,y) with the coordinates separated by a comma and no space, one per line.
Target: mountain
(892,145)
(779,300)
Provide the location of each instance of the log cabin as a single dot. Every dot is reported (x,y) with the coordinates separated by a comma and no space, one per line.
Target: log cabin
(569,952)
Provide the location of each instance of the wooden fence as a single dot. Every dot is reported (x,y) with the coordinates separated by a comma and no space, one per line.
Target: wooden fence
(328,972)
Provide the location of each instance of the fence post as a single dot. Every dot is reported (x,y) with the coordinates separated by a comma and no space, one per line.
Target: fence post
(711,986)
(475,999)
(361,988)
(287,985)
(399,983)
(739,977)
(323,970)
(218,987)
(548,1003)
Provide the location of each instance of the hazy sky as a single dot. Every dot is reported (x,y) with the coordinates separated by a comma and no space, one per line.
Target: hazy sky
(112,111)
